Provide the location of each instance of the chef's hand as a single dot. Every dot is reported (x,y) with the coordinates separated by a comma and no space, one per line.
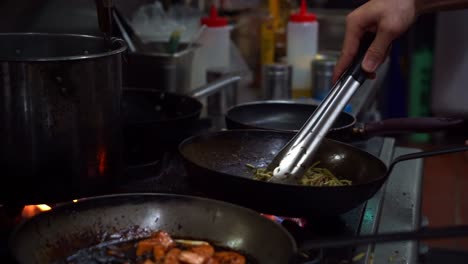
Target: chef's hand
(387,18)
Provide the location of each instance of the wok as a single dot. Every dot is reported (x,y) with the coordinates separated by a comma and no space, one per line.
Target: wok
(53,235)
(291,116)
(216,165)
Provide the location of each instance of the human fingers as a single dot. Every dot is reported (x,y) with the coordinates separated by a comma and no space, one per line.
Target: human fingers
(350,46)
(357,23)
(378,50)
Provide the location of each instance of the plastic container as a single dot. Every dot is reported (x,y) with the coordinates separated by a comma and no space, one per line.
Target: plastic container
(302,45)
(214,47)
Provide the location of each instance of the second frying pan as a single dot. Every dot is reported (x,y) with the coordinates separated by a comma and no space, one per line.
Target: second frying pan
(290,116)
(217,165)
(155,121)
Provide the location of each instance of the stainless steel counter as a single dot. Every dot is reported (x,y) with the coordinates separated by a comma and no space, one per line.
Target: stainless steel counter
(396,207)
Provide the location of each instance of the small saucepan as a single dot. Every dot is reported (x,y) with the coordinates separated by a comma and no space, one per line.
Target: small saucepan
(291,116)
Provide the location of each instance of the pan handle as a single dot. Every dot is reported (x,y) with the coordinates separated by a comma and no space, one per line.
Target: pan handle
(215,86)
(456,231)
(421,234)
(425,154)
(406,125)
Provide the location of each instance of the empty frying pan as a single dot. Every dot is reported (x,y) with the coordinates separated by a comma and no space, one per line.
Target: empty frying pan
(291,116)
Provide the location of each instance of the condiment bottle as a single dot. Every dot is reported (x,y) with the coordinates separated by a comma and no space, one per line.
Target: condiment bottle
(301,48)
(214,47)
(268,31)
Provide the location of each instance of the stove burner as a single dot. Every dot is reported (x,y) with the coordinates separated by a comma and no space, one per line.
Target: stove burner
(301,222)
(306,228)
(10,216)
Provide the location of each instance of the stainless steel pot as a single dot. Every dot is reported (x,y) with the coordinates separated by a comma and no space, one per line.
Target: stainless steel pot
(60,127)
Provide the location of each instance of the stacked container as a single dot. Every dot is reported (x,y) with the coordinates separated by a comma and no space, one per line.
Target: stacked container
(214,47)
(302,45)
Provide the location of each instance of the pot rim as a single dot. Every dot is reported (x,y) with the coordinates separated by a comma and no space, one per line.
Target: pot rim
(119,46)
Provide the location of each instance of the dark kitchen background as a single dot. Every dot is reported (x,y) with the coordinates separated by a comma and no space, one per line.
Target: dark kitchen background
(426,76)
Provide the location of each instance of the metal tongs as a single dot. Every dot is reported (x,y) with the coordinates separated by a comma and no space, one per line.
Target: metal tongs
(104,12)
(297,155)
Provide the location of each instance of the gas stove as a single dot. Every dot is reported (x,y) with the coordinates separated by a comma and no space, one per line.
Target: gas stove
(168,176)
(381,213)
(396,207)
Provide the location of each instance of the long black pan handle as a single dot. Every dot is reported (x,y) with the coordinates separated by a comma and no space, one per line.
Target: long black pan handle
(425,154)
(426,233)
(422,234)
(406,125)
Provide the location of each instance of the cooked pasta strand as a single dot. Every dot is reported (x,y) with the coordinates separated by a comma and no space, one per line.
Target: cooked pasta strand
(314,176)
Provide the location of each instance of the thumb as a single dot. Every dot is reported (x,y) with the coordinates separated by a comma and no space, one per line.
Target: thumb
(377,51)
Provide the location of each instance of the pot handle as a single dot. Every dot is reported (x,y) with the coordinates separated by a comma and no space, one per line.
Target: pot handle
(406,125)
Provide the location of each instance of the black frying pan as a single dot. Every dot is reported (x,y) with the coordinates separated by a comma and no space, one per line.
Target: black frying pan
(291,116)
(56,234)
(216,165)
(154,121)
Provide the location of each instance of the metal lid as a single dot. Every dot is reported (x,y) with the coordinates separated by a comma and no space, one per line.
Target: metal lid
(277,68)
(324,63)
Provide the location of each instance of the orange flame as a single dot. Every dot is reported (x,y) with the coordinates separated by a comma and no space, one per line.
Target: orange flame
(32,210)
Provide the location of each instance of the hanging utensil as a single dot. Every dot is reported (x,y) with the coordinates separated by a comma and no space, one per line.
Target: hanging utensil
(125,35)
(104,13)
(296,156)
(134,42)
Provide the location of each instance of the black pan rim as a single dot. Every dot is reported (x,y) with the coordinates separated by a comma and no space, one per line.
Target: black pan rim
(90,199)
(232,109)
(188,140)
